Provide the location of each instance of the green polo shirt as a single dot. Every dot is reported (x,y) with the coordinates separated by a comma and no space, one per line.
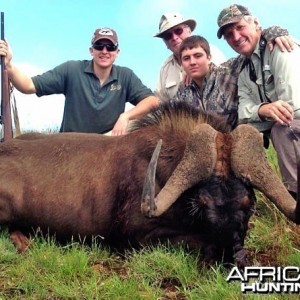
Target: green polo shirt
(90,106)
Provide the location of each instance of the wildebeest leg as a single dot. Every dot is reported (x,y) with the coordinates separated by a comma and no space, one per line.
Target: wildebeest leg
(20,241)
(239,254)
(210,254)
(240,258)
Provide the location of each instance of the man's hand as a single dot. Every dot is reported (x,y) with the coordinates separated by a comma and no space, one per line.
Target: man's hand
(280,111)
(6,52)
(121,125)
(285,43)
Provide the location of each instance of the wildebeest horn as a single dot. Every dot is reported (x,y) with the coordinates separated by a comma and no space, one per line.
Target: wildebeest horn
(248,160)
(149,184)
(197,164)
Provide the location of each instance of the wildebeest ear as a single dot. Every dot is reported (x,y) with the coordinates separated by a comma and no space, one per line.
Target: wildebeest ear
(197,164)
(248,161)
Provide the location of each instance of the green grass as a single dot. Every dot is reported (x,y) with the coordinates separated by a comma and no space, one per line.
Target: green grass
(48,271)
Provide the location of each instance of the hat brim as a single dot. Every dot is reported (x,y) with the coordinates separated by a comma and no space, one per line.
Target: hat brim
(231,21)
(106,38)
(190,22)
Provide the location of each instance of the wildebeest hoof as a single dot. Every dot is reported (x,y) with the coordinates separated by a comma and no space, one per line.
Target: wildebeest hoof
(20,241)
(240,258)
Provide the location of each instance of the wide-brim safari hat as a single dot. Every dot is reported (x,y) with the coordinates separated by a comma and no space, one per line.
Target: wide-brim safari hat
(169,20)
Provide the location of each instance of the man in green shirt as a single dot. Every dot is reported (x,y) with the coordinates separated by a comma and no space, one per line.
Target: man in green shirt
(96,90)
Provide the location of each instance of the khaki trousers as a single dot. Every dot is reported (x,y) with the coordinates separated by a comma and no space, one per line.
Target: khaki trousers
(283,143)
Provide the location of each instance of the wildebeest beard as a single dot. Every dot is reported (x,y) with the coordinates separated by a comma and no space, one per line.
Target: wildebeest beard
(221,210)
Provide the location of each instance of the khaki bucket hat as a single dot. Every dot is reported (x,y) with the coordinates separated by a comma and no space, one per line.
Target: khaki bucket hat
(169,20)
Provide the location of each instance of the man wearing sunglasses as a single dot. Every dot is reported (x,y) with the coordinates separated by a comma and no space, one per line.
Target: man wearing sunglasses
(173,29)
(96,90)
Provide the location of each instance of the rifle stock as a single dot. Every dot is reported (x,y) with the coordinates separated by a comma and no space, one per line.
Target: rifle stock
(7,132)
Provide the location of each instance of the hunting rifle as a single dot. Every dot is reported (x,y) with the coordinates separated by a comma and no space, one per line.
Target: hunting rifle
(6,121)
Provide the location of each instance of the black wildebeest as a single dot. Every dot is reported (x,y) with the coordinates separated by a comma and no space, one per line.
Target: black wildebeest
(84,185)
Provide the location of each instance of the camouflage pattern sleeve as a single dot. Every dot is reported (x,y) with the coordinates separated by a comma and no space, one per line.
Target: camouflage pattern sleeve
(273,32)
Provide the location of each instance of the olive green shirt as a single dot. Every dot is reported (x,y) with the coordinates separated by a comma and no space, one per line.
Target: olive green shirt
(90,106)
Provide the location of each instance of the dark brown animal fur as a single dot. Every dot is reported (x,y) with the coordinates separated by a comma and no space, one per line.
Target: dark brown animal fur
(85,185)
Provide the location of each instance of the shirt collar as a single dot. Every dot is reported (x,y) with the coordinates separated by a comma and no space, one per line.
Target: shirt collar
(113,73)
(89,67)
(193,83)
(256,50)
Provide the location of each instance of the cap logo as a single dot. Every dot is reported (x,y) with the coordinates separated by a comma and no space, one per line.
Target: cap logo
(105,31)
(233,12)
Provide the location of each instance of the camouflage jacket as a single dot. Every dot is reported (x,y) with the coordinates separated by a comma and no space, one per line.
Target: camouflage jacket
(218,92)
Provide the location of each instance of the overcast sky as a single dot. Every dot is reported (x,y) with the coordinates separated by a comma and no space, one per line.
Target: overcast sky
(45,33)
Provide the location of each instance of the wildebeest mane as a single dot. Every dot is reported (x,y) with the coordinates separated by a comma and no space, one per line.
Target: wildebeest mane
(180,116)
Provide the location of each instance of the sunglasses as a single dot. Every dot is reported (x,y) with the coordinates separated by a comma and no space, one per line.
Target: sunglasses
(109,47)
(168,35)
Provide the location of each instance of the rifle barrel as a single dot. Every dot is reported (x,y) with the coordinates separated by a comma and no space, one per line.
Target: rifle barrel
(2,25)
(2,38)
(7,132)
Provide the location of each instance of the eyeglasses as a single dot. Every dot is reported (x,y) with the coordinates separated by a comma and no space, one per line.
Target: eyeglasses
(109,47)
(168,35)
